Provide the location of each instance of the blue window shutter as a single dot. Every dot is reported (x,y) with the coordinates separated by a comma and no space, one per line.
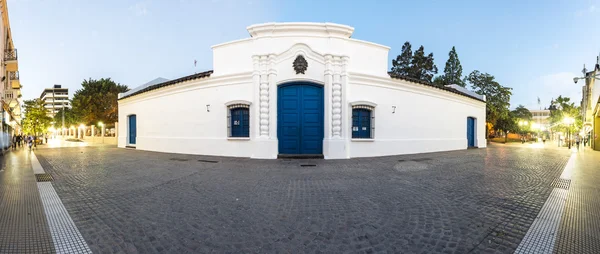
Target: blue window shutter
(240,122)
(361,123)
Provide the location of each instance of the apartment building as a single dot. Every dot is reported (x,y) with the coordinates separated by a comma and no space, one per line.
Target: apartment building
(55,99)
(10,85)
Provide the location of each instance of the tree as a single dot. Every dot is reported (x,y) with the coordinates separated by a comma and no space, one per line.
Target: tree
(452,71)
(507,124)
(497,96)
(97,101)
(561,108)
(70,118)
(401,65)
(36,119)
(422,67)
(522,113)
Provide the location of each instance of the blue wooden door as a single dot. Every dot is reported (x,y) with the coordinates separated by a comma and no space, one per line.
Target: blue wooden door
(132,129)
(300,118)
(470,132)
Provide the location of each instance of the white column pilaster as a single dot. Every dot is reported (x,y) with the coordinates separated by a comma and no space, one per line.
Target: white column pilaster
(264,97)
(255,116)
(265,84)
(335,146)
(272,116)
(336,99)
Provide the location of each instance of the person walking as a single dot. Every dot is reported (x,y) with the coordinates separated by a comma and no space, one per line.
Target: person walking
(577,140)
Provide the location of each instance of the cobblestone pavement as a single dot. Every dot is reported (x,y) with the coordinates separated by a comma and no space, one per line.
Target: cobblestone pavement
(477,200)
(579,231)
(23,226)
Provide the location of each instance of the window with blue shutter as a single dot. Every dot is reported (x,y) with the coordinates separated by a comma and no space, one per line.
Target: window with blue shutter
(239,121)
(362,122)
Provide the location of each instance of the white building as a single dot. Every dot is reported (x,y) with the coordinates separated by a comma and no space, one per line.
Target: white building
(300,89)
(55,99)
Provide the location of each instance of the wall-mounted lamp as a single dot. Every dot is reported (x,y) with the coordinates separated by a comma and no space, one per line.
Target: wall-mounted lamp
(393,109)
(207,107)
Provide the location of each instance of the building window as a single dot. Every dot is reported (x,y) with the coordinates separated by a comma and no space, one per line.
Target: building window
(239,120)
(363,126)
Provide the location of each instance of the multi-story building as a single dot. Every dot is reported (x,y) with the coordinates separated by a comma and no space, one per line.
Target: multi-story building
(10,85)
(590,107)
(55,99)
(540,119)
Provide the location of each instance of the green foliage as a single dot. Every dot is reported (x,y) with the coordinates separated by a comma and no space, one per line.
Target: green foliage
(422,66)
(497,96)
(561,108)
(522,113)
(452,71)
(36,120)
(401,65)
(417,65)
(70,118)
(507,123)
(97,101)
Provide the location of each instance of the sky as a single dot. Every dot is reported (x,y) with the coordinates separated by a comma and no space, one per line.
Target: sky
(535,47)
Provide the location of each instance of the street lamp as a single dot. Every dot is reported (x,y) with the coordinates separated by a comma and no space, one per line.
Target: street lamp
(597,76)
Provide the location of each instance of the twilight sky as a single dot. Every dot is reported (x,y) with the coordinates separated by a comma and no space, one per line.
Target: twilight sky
(535,46)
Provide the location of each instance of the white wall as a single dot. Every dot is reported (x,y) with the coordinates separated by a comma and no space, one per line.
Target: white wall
(176,119)
(426,119)
(236,56)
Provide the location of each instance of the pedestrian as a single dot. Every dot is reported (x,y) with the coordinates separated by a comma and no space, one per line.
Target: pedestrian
(577,141)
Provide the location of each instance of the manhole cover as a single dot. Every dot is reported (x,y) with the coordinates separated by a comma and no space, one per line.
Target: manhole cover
(209,161)
(43,177)
(178,159)
(561,183)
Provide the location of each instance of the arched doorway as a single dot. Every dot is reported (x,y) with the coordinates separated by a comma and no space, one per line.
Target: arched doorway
(300,107)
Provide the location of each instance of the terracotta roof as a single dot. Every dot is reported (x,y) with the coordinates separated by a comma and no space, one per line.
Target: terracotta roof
(418,81)
(170,83)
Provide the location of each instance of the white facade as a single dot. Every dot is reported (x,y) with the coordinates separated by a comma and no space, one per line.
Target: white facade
(407,117)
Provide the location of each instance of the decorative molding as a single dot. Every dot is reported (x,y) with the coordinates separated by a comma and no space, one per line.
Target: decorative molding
(336,98)
(300,49)
(238,102)
(367,103)
(300,65)
(265,64)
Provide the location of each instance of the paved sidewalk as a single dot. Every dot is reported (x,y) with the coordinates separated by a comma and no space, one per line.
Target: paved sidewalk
(23,225)
(579,231)
(470,201)
(479,200)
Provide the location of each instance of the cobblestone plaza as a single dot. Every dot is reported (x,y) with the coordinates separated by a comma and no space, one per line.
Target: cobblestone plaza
(128,201)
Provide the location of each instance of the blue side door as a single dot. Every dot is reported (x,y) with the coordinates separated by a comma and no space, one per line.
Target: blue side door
(300,118)
(132,129)
(470,132)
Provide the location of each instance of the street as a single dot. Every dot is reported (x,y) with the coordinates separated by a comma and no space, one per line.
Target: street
(122,200)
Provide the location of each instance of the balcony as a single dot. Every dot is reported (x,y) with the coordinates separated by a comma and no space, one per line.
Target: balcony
(10,57)
(14,79)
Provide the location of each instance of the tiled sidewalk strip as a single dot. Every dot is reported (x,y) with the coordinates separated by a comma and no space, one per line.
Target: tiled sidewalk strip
(542,234)
(65,235)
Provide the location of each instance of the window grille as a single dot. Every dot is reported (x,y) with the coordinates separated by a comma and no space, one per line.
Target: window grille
(238,120)
(363,122)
